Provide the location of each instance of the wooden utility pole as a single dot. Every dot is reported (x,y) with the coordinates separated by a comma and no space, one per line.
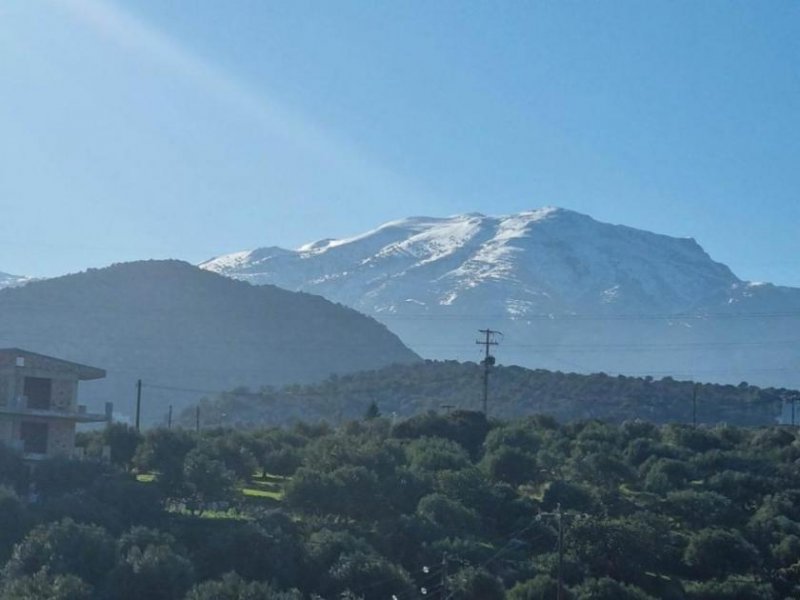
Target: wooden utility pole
(487,362)
(444,576)
(138,402)
(169,417)
(559,517)
(197,419)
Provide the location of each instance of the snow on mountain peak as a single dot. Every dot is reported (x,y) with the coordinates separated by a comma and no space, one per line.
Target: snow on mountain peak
(541,259)
(7,280)
(558,283)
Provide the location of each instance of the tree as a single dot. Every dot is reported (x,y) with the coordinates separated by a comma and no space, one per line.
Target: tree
(324,547)
(123,440)
(511,465)
(80,506)
(623,549)
(787,551)
(277,451)
(602,469)
(268,549)
(436,454)
(517,434)
(64,548)
(56,476)
(13,471)
(608,589)
(281,461)
(541,587)
(473,583)
(452,516)
(571,496)
(13,521)
(133,502)
(729,589)
(467,428)
(718,552)
(163,451)
(372,412)
(233,449)
(697,508)
(665,475)
(42,586)
(367,573)
(152,571)
(206,479)
(233,587)
(349,490)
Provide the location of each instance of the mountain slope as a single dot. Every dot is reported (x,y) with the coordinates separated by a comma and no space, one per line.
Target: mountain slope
(567,291)
(407,390)
(172,324)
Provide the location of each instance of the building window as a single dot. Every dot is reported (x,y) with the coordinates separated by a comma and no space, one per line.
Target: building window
(39,392)
(34,437)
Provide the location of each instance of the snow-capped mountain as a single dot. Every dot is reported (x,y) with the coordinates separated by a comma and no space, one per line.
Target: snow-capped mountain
(568,292)
(7,280)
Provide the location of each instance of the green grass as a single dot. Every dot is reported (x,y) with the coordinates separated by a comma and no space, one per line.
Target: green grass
(272,488)
(269,488)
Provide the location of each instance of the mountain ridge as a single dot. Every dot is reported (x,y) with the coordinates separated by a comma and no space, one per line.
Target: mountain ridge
(174,325)
(469,249)
(510,272)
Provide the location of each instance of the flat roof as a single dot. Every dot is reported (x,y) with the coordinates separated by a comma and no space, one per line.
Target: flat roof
(84,372)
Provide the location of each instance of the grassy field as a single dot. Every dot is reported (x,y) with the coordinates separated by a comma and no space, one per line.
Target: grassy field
(268,489)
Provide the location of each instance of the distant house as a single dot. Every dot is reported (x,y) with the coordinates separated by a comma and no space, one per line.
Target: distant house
(38,403)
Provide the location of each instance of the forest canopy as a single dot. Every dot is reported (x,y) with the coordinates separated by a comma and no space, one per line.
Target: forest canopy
(437,506)
(409,389)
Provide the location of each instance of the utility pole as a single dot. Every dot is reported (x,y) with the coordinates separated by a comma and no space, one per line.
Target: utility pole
(138,402)
(169,417)
(444,575)
(694,404)
(794,401)
(559,517)
(487,362)
(197,419)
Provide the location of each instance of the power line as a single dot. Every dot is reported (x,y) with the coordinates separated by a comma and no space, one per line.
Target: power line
(621,345)
(585,316)
(83,306)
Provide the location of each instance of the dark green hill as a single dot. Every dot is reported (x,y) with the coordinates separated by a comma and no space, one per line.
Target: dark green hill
(170,323)
(432,385)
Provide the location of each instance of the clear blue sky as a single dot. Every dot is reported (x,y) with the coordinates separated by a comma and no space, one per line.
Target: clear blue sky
(190,128)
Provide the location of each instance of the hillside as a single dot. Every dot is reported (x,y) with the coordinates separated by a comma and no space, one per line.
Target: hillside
(172,324)
(407,390)
(567,291)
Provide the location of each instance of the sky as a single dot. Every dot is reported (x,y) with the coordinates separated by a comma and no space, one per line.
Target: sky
(191,128)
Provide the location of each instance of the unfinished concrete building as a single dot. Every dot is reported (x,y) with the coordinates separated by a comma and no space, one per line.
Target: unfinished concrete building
(39,403)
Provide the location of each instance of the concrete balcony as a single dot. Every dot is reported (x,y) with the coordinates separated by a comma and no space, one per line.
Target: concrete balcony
(19,407)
